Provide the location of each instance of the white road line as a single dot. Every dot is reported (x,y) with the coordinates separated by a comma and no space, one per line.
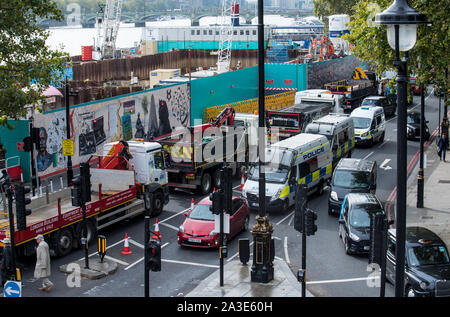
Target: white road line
(278,258)
(173,216)
(382,144)
(141,259)
(136,243)
(191,263)
(116,260)
(284,218)
(286,255)
(169,226)
(344,280)
(367,155)
(290,221)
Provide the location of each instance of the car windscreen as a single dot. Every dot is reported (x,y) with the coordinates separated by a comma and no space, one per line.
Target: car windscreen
(202,212)
(369,102)
(361,123)
(351,179)
(412,119)
(273,175)
(427,255)
(359,218)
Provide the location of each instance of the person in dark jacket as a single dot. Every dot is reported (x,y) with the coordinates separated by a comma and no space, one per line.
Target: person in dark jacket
(442,146)
(7,271)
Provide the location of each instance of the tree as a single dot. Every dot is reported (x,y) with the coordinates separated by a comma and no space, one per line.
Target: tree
(325,8)
(428,59)
(27,65)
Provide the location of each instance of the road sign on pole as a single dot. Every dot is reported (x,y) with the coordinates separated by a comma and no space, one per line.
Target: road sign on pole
(12,289)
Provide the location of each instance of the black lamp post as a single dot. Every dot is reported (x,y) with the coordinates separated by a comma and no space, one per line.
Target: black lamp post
(401,21)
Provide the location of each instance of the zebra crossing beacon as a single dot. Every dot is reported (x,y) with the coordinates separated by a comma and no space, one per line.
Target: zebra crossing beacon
(340,132)
(197,153)
(301,159)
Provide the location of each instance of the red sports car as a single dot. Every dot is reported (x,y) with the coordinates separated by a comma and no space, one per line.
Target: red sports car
(197,229)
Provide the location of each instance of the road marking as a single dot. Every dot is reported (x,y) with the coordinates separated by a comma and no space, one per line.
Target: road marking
(191,263)
(136,243)
(382,144)
(344,280)
(384,163)
(290,221)
(177,214)
(286,250)
(169,226)
(284,218)
(367,155)
(141,259)
(116,260)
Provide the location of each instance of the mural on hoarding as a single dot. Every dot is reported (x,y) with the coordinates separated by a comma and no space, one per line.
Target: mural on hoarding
(142,115)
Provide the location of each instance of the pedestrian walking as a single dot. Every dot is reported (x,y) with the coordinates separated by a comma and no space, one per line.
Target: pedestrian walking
(43,269)
(442,146)
(7,270)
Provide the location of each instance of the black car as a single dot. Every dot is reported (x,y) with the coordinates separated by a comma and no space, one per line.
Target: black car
(388,104)
(413,126)
(354,221)
(351,176)
(427,263)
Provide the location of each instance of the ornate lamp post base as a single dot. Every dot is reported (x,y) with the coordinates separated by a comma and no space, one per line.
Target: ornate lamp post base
(262,268)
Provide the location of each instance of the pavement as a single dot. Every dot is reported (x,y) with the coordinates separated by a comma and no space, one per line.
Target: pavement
(435,215)
(237,283)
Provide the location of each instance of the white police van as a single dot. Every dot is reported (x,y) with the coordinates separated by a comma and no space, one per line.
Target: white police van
(339,130)
(303,158)
(369,123)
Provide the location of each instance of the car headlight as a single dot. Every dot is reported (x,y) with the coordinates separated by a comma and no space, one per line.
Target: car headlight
(276,195)
(365,134)
(353,236)
(334,196)
(181,229)
(423,285)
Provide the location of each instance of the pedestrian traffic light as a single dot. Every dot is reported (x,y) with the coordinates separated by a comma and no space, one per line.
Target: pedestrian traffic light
(377,230)
(311,227)
(153,250)
(77,192)
(85,181)
(21,201)
(217,200)
(27,144)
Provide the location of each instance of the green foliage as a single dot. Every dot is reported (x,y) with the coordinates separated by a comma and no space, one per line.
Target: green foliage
(428,59)
(324,8)
(24,57)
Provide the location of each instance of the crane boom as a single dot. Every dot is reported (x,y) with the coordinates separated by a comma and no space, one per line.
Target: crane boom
(108,27)
(229,8)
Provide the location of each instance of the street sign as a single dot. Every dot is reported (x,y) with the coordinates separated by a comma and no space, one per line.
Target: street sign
(68,147)
(12,289)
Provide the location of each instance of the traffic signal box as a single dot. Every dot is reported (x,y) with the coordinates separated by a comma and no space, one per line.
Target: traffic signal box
(153,250)
(77,195)
(81,191)
(310,219)
(377,230)
(217,199)
(21,201)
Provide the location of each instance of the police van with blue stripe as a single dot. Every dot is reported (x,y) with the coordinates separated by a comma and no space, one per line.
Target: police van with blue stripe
(303,158)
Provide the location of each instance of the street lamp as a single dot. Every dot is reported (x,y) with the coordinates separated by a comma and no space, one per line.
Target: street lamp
(401,21)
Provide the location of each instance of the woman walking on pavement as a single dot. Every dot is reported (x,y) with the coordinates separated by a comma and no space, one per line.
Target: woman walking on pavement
(43,270)
(442,146)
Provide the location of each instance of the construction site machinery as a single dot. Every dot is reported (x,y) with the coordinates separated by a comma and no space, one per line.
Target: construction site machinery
(116,194)
(197,153)
(107,24)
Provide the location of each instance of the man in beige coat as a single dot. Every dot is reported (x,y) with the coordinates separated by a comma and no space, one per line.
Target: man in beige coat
(43,269)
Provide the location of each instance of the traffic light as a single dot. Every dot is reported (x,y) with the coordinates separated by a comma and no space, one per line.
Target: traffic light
(377,224)
(154,255)
(85,181)
(77,192)
(310,219)
(27,144)
(217,199)
(35,135)
(300,206)
(21,202)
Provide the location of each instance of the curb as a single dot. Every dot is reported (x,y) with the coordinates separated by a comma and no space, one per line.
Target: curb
(96,269)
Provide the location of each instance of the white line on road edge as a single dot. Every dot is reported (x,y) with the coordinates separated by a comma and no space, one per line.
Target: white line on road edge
(133,264)
(382,144)
(116,260)
(169,226)
(344,280)
(191,263)
(284,218)
(136,243)
(367,155)
(173,216)
(112,245)
(286,251)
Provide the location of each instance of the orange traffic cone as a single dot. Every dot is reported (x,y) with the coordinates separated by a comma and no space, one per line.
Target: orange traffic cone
(242,182)
(157,234)
(126,246)
(192,204)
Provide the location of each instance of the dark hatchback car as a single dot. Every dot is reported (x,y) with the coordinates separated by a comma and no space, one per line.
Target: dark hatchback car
(388,104)
(354,221)
(427,269)
(413,126)
(351,176)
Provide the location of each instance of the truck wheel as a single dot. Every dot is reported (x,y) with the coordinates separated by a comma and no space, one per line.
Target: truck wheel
(64,242)
(158,203)
(206,182)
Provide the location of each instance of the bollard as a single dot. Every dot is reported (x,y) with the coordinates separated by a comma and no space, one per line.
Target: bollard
(101,247)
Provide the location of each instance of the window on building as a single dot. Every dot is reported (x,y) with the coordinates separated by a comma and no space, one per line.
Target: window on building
(192,32)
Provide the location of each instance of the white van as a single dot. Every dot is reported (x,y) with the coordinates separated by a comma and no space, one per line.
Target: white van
(340,132)
(370,124)
(303,158)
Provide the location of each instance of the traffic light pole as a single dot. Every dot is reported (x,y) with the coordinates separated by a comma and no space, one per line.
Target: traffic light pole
(86,247)
(420,177)
(11,226)
(69,158)
(304,254)
(383,259)
(146,268)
